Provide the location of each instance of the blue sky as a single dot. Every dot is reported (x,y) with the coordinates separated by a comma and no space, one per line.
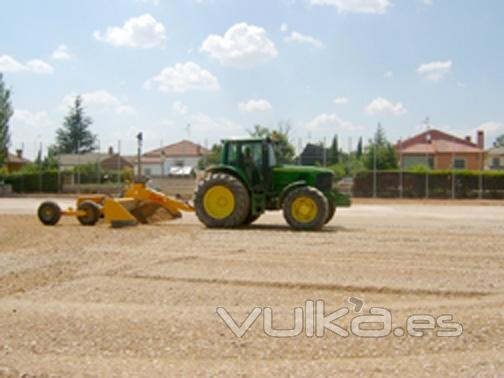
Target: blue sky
(325,66)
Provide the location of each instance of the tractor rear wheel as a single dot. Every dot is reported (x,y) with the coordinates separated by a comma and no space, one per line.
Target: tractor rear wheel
(92,213)
(305,208)
(221,201)
(330,212)
(250,219)
(49,213)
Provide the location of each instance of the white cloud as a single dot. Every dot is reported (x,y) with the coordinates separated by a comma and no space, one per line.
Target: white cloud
(356,6)
(100,99)
(61,53)
(153,2)
(241,46)
(341,100)
(206,123)
(29,118)
(180,108)
(389,74)
(9,64)
(296,37)
(491,128)
(137,32)
(184,77)
(427,2)
(381,105)
(330,121)
(435,71)
(260,105)
(284,28)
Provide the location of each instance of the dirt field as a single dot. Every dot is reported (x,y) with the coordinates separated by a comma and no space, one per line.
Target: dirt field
(142,301)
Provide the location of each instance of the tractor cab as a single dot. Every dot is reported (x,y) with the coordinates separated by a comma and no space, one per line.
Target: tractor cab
(253,159)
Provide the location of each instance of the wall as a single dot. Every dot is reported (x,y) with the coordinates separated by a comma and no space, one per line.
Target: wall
(444,161)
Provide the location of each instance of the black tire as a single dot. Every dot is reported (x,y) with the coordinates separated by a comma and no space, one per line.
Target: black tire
(93,213)
(319,202)
(49,213)
(331,211)
(241,198)
(251,219)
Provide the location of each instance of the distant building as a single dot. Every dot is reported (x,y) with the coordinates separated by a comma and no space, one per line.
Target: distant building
(14,162)
(439,150)
(494,158)
(312,154)
(108,161)
(178,159)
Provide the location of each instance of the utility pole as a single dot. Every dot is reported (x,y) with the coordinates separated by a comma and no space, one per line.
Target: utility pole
(139,152)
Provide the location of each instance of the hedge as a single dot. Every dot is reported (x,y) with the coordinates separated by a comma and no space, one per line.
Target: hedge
(46,181)
(438,183)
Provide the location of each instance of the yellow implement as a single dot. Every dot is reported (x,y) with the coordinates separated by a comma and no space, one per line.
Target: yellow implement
(137,204)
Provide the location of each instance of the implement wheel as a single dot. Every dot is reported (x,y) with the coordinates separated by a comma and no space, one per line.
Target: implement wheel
(306,208)
(49,213)
(92,213)
(221,201)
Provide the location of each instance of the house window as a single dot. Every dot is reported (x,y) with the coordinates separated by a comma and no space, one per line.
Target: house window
(147,172)
(459,164)
(178,163)
(495,162)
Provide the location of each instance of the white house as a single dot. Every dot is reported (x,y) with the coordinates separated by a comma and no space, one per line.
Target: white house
(175,159)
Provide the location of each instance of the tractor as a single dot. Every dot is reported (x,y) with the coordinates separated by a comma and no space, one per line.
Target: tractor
(248,181)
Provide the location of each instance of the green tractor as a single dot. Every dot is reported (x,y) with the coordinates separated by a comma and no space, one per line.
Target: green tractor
(248,181)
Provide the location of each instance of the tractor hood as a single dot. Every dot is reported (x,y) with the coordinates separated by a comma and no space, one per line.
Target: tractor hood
(321,178)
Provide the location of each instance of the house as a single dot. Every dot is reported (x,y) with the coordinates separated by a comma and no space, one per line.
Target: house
(178,159)
(312,154)
(14,162)
(439,150)
(109,161)
(494,158)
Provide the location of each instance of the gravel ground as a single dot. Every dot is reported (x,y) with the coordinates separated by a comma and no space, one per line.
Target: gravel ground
(142,301)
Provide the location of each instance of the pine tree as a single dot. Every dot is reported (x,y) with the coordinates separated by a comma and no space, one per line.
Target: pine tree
(334,153)
(358,154)
(75,136)
(6,113)
(380,153)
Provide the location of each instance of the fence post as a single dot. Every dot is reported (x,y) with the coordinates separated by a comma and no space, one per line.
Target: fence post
(374,172)
(480,178)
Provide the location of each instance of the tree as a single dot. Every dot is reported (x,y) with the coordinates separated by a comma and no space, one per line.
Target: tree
(212,158)
(334,153)
(75,136)
(6,113)
(499,142)
(285,151)
(359,152)
(382,151)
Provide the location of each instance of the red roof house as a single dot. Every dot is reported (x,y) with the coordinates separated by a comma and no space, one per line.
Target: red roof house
(439,150)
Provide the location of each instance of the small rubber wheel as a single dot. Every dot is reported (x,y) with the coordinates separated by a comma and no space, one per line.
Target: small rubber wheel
(49,213)
(305,209)
(221,201)
(93,213)
(331,211)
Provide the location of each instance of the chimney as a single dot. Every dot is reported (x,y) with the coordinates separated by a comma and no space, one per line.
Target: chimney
(19,153)
(468,139)
(111,150)
(481,139)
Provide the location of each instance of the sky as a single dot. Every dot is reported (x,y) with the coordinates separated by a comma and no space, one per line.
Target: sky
(325,67)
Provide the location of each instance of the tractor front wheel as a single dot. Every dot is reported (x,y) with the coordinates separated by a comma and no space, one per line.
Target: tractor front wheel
(49,213)
(92,213)
(306,208)
(221,201)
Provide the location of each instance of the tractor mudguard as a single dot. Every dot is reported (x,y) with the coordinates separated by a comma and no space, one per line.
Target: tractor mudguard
(288,188)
